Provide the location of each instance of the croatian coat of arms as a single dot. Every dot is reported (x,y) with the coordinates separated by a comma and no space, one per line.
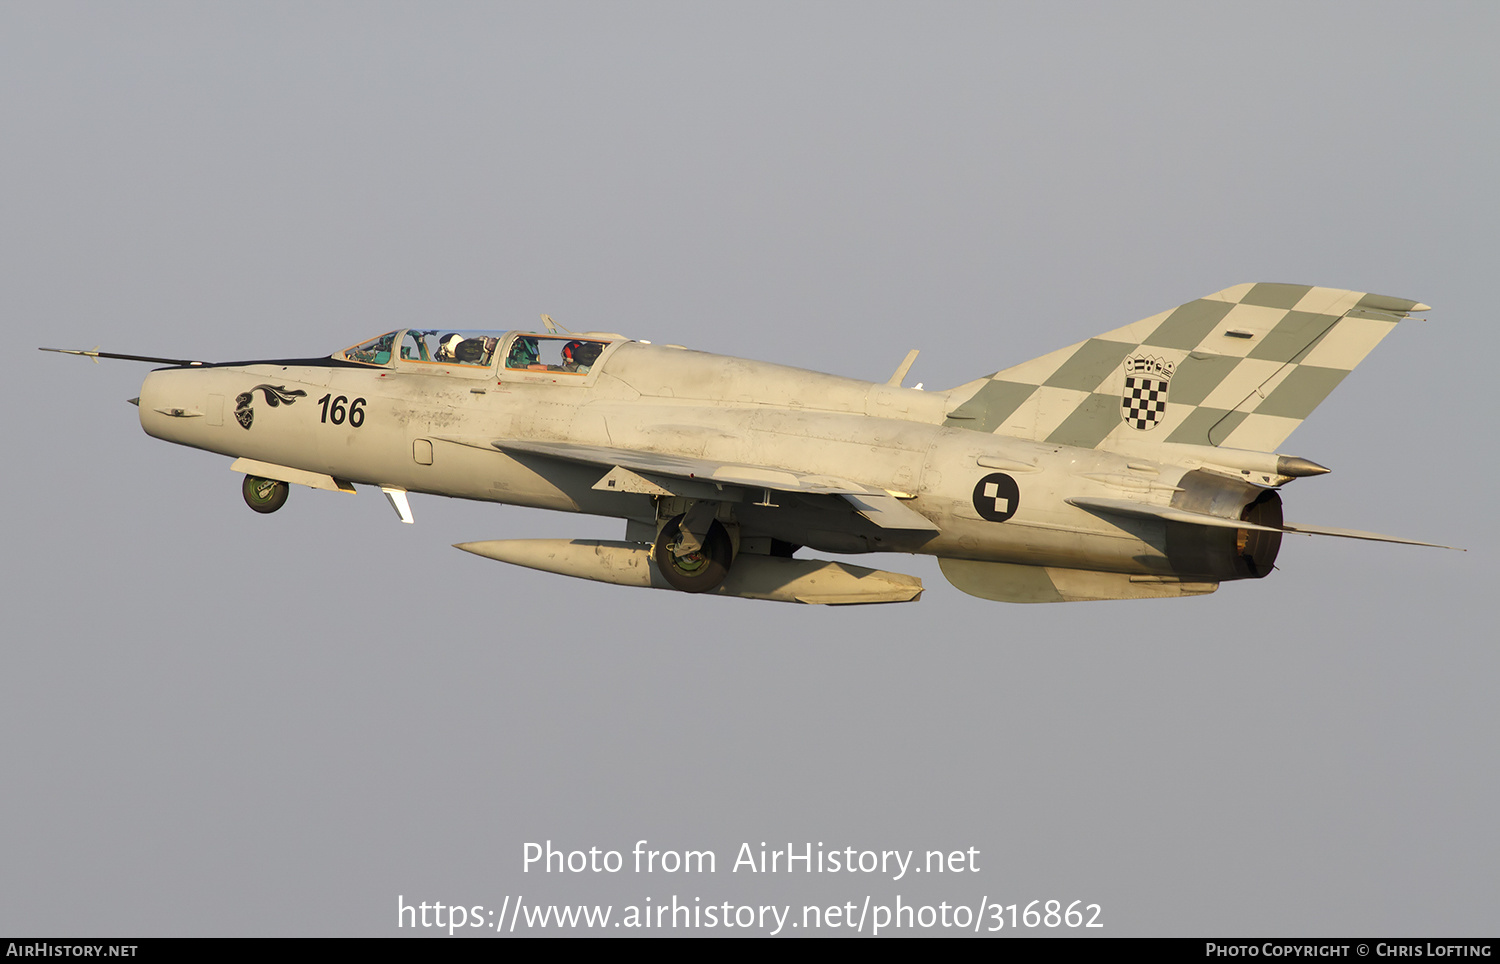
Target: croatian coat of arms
(1143,404)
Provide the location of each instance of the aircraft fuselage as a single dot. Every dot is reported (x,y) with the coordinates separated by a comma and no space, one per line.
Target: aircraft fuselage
(990,497)
(1138,463)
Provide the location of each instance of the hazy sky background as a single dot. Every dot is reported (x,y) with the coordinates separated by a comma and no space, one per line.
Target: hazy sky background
(213,722)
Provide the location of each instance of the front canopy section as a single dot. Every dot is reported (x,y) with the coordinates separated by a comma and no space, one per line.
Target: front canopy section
(452,348)
(376,351)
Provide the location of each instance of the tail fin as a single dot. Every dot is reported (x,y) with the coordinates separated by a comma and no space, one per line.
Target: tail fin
(1240,368)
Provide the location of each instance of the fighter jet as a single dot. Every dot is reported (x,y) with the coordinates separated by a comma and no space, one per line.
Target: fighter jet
(1140,463)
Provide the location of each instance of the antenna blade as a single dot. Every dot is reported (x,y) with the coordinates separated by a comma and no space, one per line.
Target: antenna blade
(895,380)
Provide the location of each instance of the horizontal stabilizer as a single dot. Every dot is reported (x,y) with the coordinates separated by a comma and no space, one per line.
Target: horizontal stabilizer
(1144,510)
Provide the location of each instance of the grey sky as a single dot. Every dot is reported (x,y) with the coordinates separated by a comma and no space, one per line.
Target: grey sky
(218,723)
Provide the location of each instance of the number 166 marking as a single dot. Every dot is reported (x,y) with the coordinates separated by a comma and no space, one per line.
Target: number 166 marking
(336,411)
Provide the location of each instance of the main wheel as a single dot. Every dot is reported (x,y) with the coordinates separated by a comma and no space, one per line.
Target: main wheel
(699,571)
(264,495)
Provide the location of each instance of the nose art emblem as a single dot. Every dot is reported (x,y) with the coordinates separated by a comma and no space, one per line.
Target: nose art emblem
(274,394)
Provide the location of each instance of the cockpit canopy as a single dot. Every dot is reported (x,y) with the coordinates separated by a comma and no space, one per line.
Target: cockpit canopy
(376,351)
(553,353)
(468,349)
(451,347)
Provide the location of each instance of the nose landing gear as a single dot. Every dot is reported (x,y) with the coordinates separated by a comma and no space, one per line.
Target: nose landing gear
(264,495)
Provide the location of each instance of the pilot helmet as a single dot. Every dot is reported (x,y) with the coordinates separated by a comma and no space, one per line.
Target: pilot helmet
(523,353)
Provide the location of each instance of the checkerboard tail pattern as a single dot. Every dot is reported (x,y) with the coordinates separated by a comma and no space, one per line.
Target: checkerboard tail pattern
(1240,368)
(1145,402)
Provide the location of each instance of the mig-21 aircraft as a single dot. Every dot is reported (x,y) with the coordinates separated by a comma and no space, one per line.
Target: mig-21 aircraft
(1139,463)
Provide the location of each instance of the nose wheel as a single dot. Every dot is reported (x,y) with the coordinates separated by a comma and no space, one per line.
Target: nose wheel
(700,570)
(264,495)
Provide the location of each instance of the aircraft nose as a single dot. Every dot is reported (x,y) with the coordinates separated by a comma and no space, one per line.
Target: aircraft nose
(153,396)
(174,404)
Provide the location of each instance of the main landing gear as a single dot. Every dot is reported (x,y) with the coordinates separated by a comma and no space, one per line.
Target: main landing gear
(693,570)
(264,495)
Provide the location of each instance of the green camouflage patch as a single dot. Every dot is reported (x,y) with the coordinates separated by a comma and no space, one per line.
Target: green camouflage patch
(1090,365)
(1094,418)
(1275,296)
(1301,392)
(990,406)
(1186,327)
(1220,430)
(1195,429)
(1197,375)
(1386,303)
(1293,335)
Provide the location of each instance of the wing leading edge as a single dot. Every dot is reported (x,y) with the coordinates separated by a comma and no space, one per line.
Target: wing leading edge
(654,473)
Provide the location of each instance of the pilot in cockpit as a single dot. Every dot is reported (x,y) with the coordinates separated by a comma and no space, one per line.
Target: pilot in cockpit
(448,347)
(523,353)
(579,356)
